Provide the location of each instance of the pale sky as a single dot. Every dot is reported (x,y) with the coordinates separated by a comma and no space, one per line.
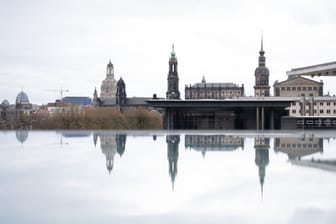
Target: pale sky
(46,44)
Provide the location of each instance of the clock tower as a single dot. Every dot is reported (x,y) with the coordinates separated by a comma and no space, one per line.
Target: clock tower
(173,80)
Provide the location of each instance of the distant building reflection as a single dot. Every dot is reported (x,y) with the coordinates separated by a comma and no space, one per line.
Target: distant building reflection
(205,143)
(296,148)
(262,145)
(173,142)
(22,135)
(110,145)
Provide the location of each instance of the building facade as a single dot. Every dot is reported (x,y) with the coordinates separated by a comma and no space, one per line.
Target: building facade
(261,87)
(173,79)
(108,87)
(206,90)
(298,86)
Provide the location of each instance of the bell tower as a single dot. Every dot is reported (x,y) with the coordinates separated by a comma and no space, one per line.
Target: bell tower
(261,74)
(173,80)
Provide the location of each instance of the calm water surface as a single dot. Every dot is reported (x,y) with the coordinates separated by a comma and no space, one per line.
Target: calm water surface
(167,177)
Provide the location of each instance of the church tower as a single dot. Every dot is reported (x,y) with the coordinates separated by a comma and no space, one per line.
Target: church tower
(109,86)
(121,93)
(261,73)
(173,80)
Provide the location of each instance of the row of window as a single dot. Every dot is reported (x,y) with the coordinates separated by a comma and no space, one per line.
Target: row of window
(299,145)
(315,111)
(299,88)
(315,104)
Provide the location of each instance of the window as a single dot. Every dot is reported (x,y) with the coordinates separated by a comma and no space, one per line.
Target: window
(321,103)
(328,111)
(321,111)
(334,103)
(307,111)
(288,89)
(328,103)
(309,88)
(304,88)
(282,88)
(310,94)
(314,88)
(293,111)
(293,88)
(315,111)
(334,111)
(299,88)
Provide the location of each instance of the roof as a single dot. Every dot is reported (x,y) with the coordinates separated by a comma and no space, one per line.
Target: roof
(215,85)
(294,79)
(138,101)
(325,69)
(81,100)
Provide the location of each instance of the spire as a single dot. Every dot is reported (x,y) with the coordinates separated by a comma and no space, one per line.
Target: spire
(173,51)
(262,42)
(262,52)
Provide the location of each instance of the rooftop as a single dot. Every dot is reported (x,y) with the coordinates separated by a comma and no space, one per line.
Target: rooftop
(325,69)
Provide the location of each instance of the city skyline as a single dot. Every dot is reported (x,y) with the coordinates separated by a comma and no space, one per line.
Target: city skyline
(49,45)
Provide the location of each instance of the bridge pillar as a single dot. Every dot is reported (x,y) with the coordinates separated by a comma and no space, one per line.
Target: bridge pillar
(257,118)
(262,118)
(272,120)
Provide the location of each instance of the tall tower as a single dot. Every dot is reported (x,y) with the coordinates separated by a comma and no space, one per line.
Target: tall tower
(173,80)
(261,73)
(109,85)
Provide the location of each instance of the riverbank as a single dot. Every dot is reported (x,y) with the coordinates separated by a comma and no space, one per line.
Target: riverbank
(89,118)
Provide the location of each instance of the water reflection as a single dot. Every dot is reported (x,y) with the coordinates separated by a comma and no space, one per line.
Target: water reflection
(262,145)
(22,135)
(173,142)
(204,143)
(298,147)
(110,145)
(235,172)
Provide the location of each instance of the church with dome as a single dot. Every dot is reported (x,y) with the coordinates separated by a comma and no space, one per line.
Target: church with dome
(22,106)
(113,93)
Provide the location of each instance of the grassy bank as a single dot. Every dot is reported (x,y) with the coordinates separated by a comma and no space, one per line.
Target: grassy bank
(90,118)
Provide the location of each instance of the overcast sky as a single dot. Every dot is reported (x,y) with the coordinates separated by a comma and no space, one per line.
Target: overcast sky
(47,45)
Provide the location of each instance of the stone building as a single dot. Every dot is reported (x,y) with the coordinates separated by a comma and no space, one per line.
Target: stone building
(113,93)
(109,86)
(298,86)
(261,74)
(206,90)
(22,107)
(173,79)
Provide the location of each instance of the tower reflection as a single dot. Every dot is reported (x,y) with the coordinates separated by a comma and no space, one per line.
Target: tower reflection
(110,145)
(173,142)
(262,145)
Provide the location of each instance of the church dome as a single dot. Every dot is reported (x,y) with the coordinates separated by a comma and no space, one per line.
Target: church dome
(5,103)
(22,98)
(261,71)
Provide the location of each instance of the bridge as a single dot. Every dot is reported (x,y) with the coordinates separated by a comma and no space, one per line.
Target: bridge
(326,69)
(235,113)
